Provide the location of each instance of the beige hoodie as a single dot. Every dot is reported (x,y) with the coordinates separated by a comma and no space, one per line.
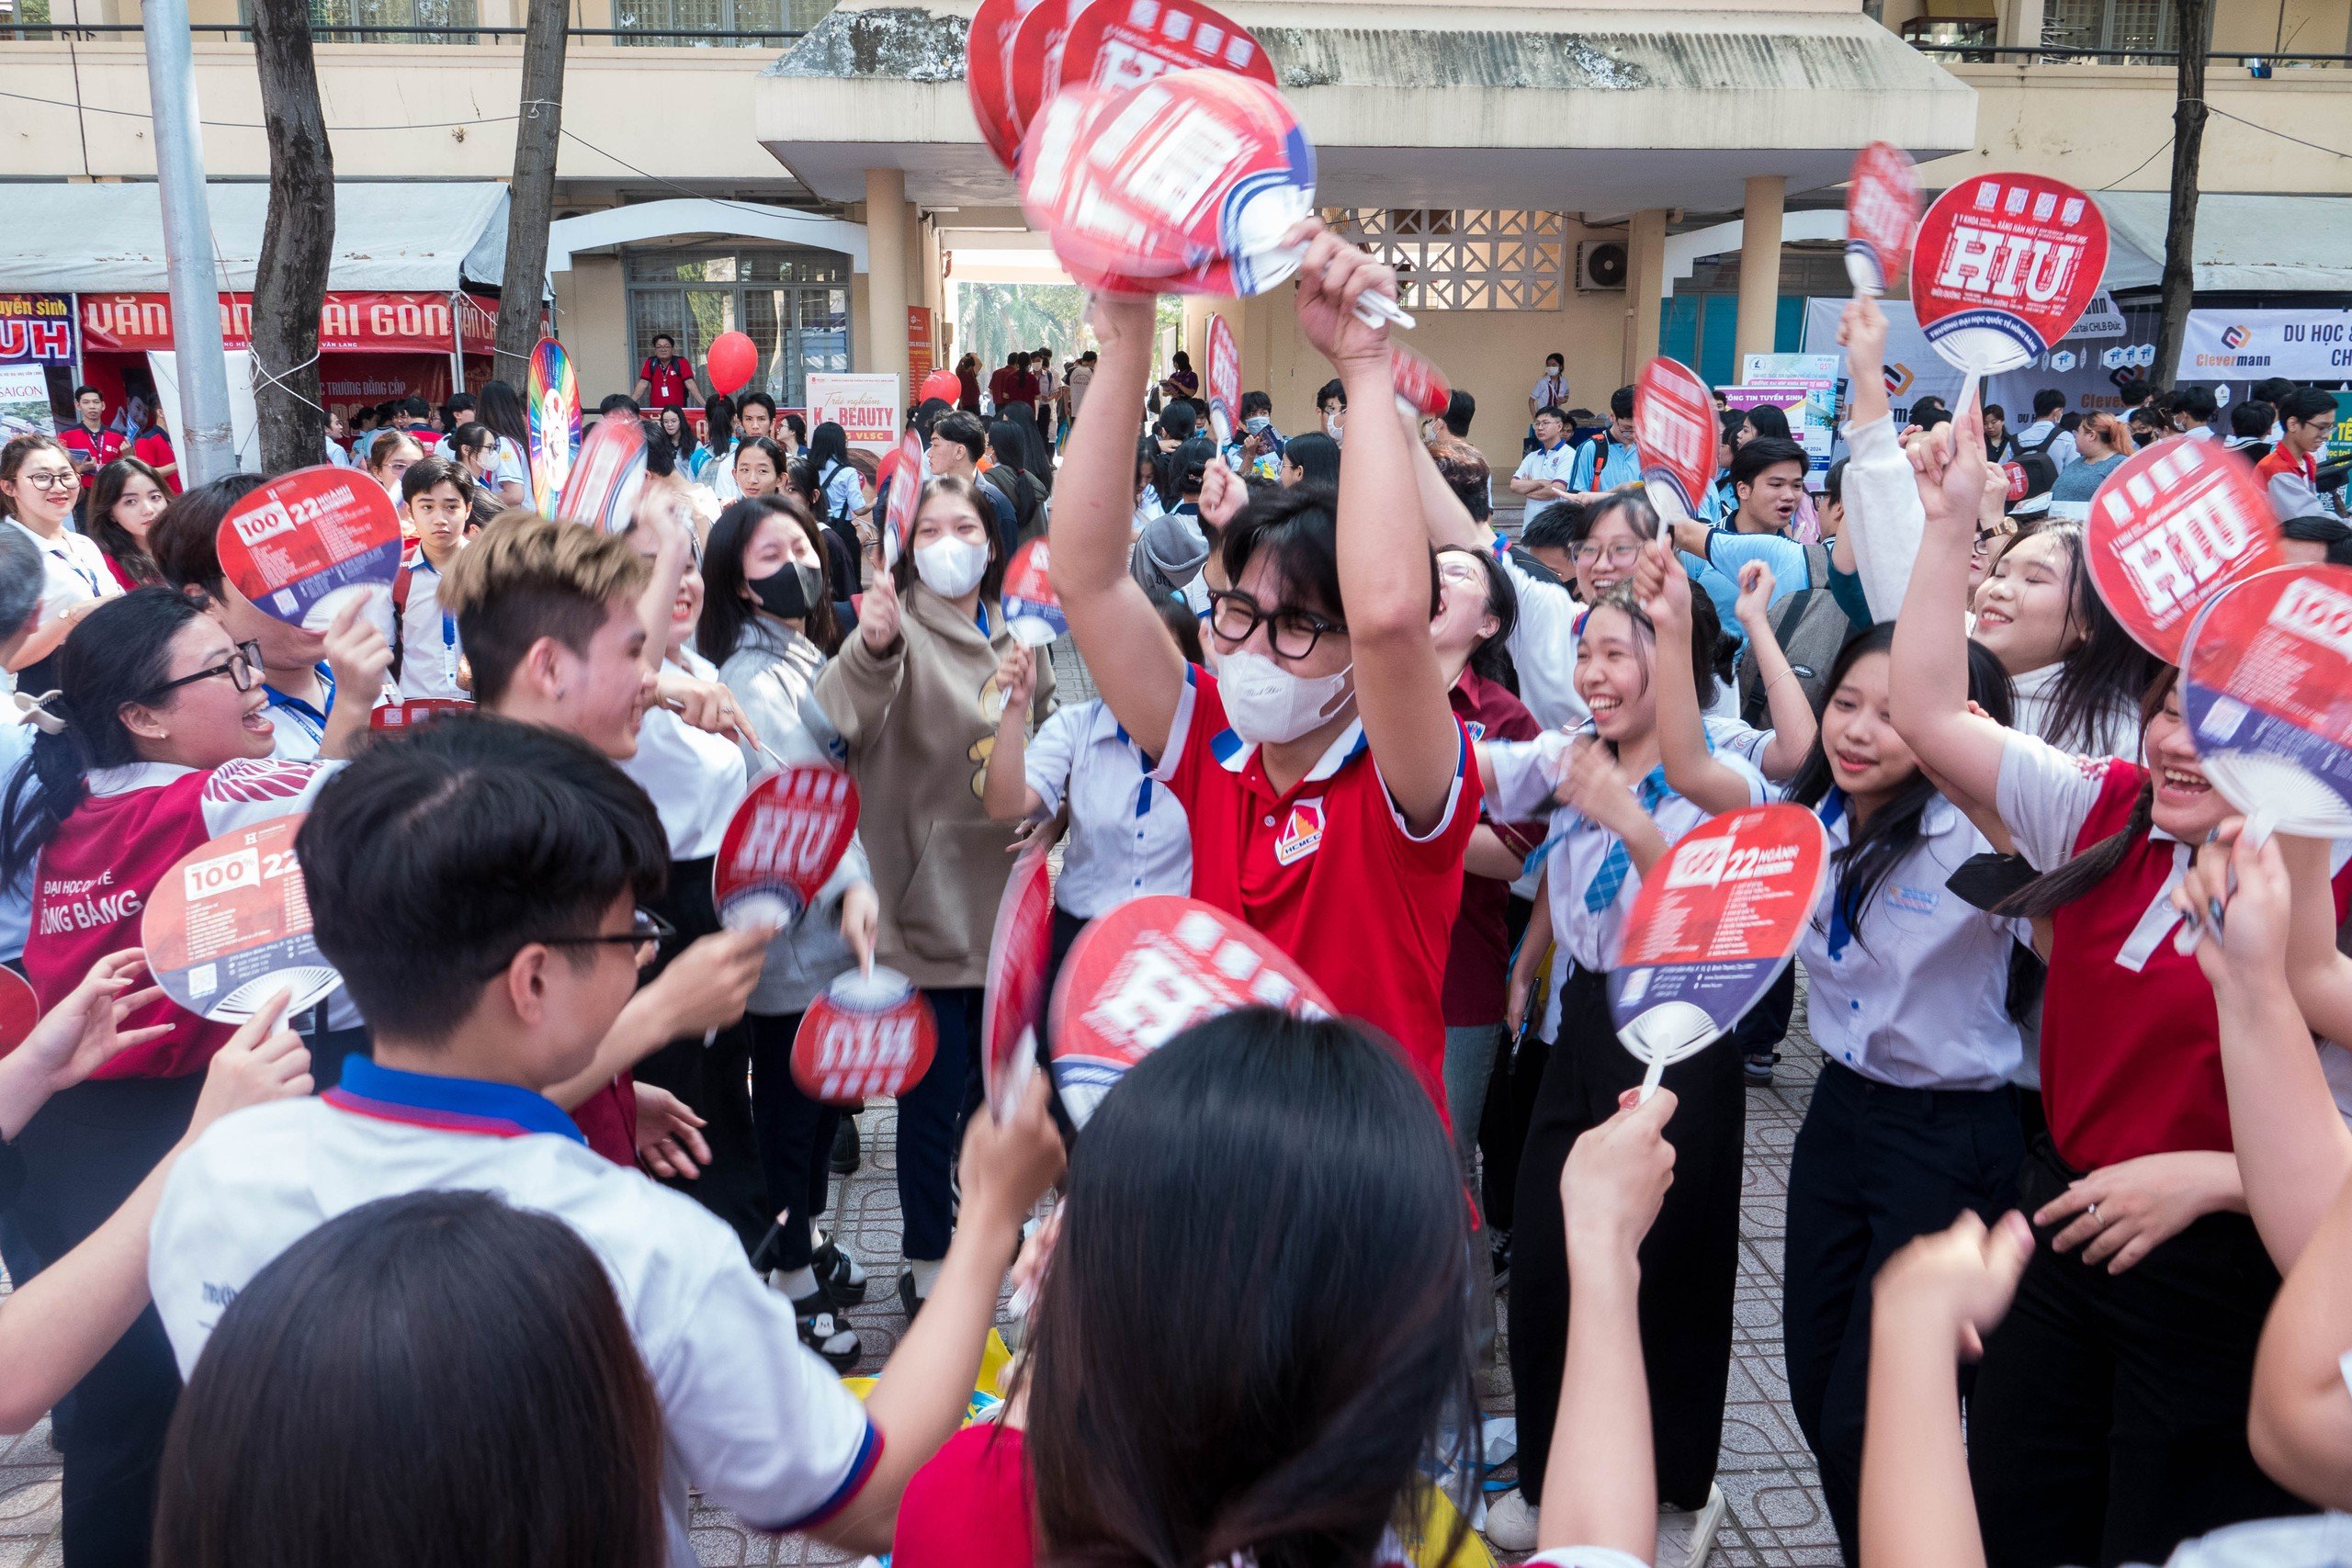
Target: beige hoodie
(919,723)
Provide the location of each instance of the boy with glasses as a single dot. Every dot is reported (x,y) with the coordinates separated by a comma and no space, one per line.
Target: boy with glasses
(478,885)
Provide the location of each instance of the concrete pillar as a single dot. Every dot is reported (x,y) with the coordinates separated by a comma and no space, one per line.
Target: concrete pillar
(1759,267)
(890,239)
(2020,24)
(1644,288)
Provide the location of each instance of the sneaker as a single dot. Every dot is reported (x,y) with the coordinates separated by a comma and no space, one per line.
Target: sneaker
(822,1330)
(1502,1259)
(1511,1522)
(848,1156)
(1757,1068)
(1684,1538)
(911,1302)
(840,1271)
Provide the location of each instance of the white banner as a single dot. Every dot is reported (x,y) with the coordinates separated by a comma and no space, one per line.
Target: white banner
(2087,372)
(866,406)
(24,402)
(2247,345)
(245,425)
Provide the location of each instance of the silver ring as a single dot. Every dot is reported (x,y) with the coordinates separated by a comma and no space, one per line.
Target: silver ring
(2093,1211)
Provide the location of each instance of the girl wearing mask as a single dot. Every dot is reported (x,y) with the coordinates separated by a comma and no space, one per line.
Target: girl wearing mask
(2148,1266)
(916,696)
(155,743)
(1177,1295)
(474,449)
(766,619)
(502,411)
(1325,778)
(392,456)
(124,504)
(1613,813)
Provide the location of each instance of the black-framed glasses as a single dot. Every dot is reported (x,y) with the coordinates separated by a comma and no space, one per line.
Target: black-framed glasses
(51,478)
(242,667)
(1291,634)
(646,932)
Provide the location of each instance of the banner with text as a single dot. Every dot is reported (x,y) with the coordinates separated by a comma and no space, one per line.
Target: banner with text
(866,406)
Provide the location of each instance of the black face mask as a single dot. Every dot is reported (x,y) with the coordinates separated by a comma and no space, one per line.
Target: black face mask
(791,592)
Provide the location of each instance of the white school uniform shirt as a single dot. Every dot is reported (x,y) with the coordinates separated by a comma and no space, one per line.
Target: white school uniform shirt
(73,568)
(1543,644)
(15,903)
(696,779)
(297,730)
(2033,694)
(1552,391)
(1558,463)
(749,1413)
(1526,771)
(1916,995)
(1128,836)
(429,645)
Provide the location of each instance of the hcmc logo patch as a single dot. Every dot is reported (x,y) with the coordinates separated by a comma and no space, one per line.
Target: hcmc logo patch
(2235,337)
(1302,835)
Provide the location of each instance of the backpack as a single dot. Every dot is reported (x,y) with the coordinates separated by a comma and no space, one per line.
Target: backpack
(1811,627)
(2039,468)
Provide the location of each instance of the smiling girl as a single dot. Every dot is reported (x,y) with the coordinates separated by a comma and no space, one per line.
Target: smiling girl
(124,504)
(2110,1413)
(2077,674)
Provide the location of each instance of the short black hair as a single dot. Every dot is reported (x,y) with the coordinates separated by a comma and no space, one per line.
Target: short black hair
(2253,417)
(2047,401)
(1315,454)
(86,390)
(21,578)
(1461,408)
(1620,403)
(965,430)
(1556,357)
(748,399)
(183,539)
(423,476)
(1331,392)
(2332,533)
(2270,388)
(618,402)
(1298,529)
(1769,421)
(2306,403)
(1557,528)
(1995,410)
(1192,461)
(1177,421)
(665,337)
(1748,464)
(1255,404)
(414,407)
(1833,485)
(431,861)
(1554,411)
(2198,402)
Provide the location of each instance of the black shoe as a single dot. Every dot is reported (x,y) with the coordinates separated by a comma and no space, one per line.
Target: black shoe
(1502,1259)
(823,1330)
(911,1302)
(847,1157)
(840,1273)
(1757,1068)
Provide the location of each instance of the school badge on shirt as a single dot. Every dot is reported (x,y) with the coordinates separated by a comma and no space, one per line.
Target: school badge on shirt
(1302,835)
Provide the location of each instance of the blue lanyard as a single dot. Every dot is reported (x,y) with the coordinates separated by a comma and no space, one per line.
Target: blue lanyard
(312,720)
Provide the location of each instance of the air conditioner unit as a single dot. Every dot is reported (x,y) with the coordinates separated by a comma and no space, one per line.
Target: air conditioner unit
(1600,266)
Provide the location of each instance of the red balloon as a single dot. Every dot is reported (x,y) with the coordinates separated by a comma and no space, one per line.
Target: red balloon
(732,360)
(943,385)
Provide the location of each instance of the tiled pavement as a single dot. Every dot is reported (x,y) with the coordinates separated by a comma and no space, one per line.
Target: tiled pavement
(1777,1520)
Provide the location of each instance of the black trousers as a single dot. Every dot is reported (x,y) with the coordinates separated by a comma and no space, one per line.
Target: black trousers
(714,1080)
(931,1113)
(2108,1422)
(1689,1261)
(795,1135)
(84,1152)
(1510,1098)
(1875,1167)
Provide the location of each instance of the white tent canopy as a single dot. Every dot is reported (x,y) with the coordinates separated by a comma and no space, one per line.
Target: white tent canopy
(415,235)
(2284,244)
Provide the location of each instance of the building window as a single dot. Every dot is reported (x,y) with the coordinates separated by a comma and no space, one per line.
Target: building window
(2139,25)
(358,21)
(703,24)
(792,302)
(1465,259)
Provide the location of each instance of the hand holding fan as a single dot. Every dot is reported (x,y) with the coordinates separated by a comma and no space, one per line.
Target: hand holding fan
(1881,216)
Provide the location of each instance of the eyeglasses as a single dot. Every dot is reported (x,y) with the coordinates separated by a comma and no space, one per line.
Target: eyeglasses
(646,932)
(242,667)
(1624,553)
(1291,634)
(50,479)
(1467,572)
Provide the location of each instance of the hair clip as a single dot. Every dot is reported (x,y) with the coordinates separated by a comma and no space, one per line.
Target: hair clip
(37,712)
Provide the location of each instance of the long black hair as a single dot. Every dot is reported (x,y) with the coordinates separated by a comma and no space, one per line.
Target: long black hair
(1253,1327)
(1491,658)
(430,1378)
(117,656)
(2108,670)
(719,630)
(828,450)
(1873,847)
(501,409)
(1037,455)
(119,541)
(2056,889)
(718,419)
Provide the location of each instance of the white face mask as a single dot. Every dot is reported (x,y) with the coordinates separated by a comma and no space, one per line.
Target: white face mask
(951,567)
(1267,704)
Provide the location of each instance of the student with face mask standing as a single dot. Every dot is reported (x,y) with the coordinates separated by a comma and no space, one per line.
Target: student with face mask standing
(1550,392)
(915,697)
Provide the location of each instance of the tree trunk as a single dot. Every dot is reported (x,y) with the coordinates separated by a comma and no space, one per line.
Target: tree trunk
(297,242)
(536,136)
(2190,18)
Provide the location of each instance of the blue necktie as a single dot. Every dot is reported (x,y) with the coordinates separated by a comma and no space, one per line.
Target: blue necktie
(1618,864)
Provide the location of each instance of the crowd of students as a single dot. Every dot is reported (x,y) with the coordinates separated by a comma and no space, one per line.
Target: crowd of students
(522,1233)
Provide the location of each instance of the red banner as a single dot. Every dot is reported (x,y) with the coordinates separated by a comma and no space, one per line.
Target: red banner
(364,321)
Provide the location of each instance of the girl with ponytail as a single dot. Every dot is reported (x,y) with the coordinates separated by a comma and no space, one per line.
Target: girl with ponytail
(2149,1266)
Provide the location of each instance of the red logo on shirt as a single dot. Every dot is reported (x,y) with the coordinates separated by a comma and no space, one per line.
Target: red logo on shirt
(1302,834)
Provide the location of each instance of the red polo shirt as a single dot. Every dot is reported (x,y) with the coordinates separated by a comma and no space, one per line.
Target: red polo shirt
(96,446)
(665,381)
(1328,868)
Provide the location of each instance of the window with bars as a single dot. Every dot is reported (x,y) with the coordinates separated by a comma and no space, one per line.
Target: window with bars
(1465,259)
(358,21)
(792,302)
(675,24)
(2108,25)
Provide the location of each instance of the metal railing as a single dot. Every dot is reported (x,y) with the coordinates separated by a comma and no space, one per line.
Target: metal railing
(233,32)
(2068,54)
